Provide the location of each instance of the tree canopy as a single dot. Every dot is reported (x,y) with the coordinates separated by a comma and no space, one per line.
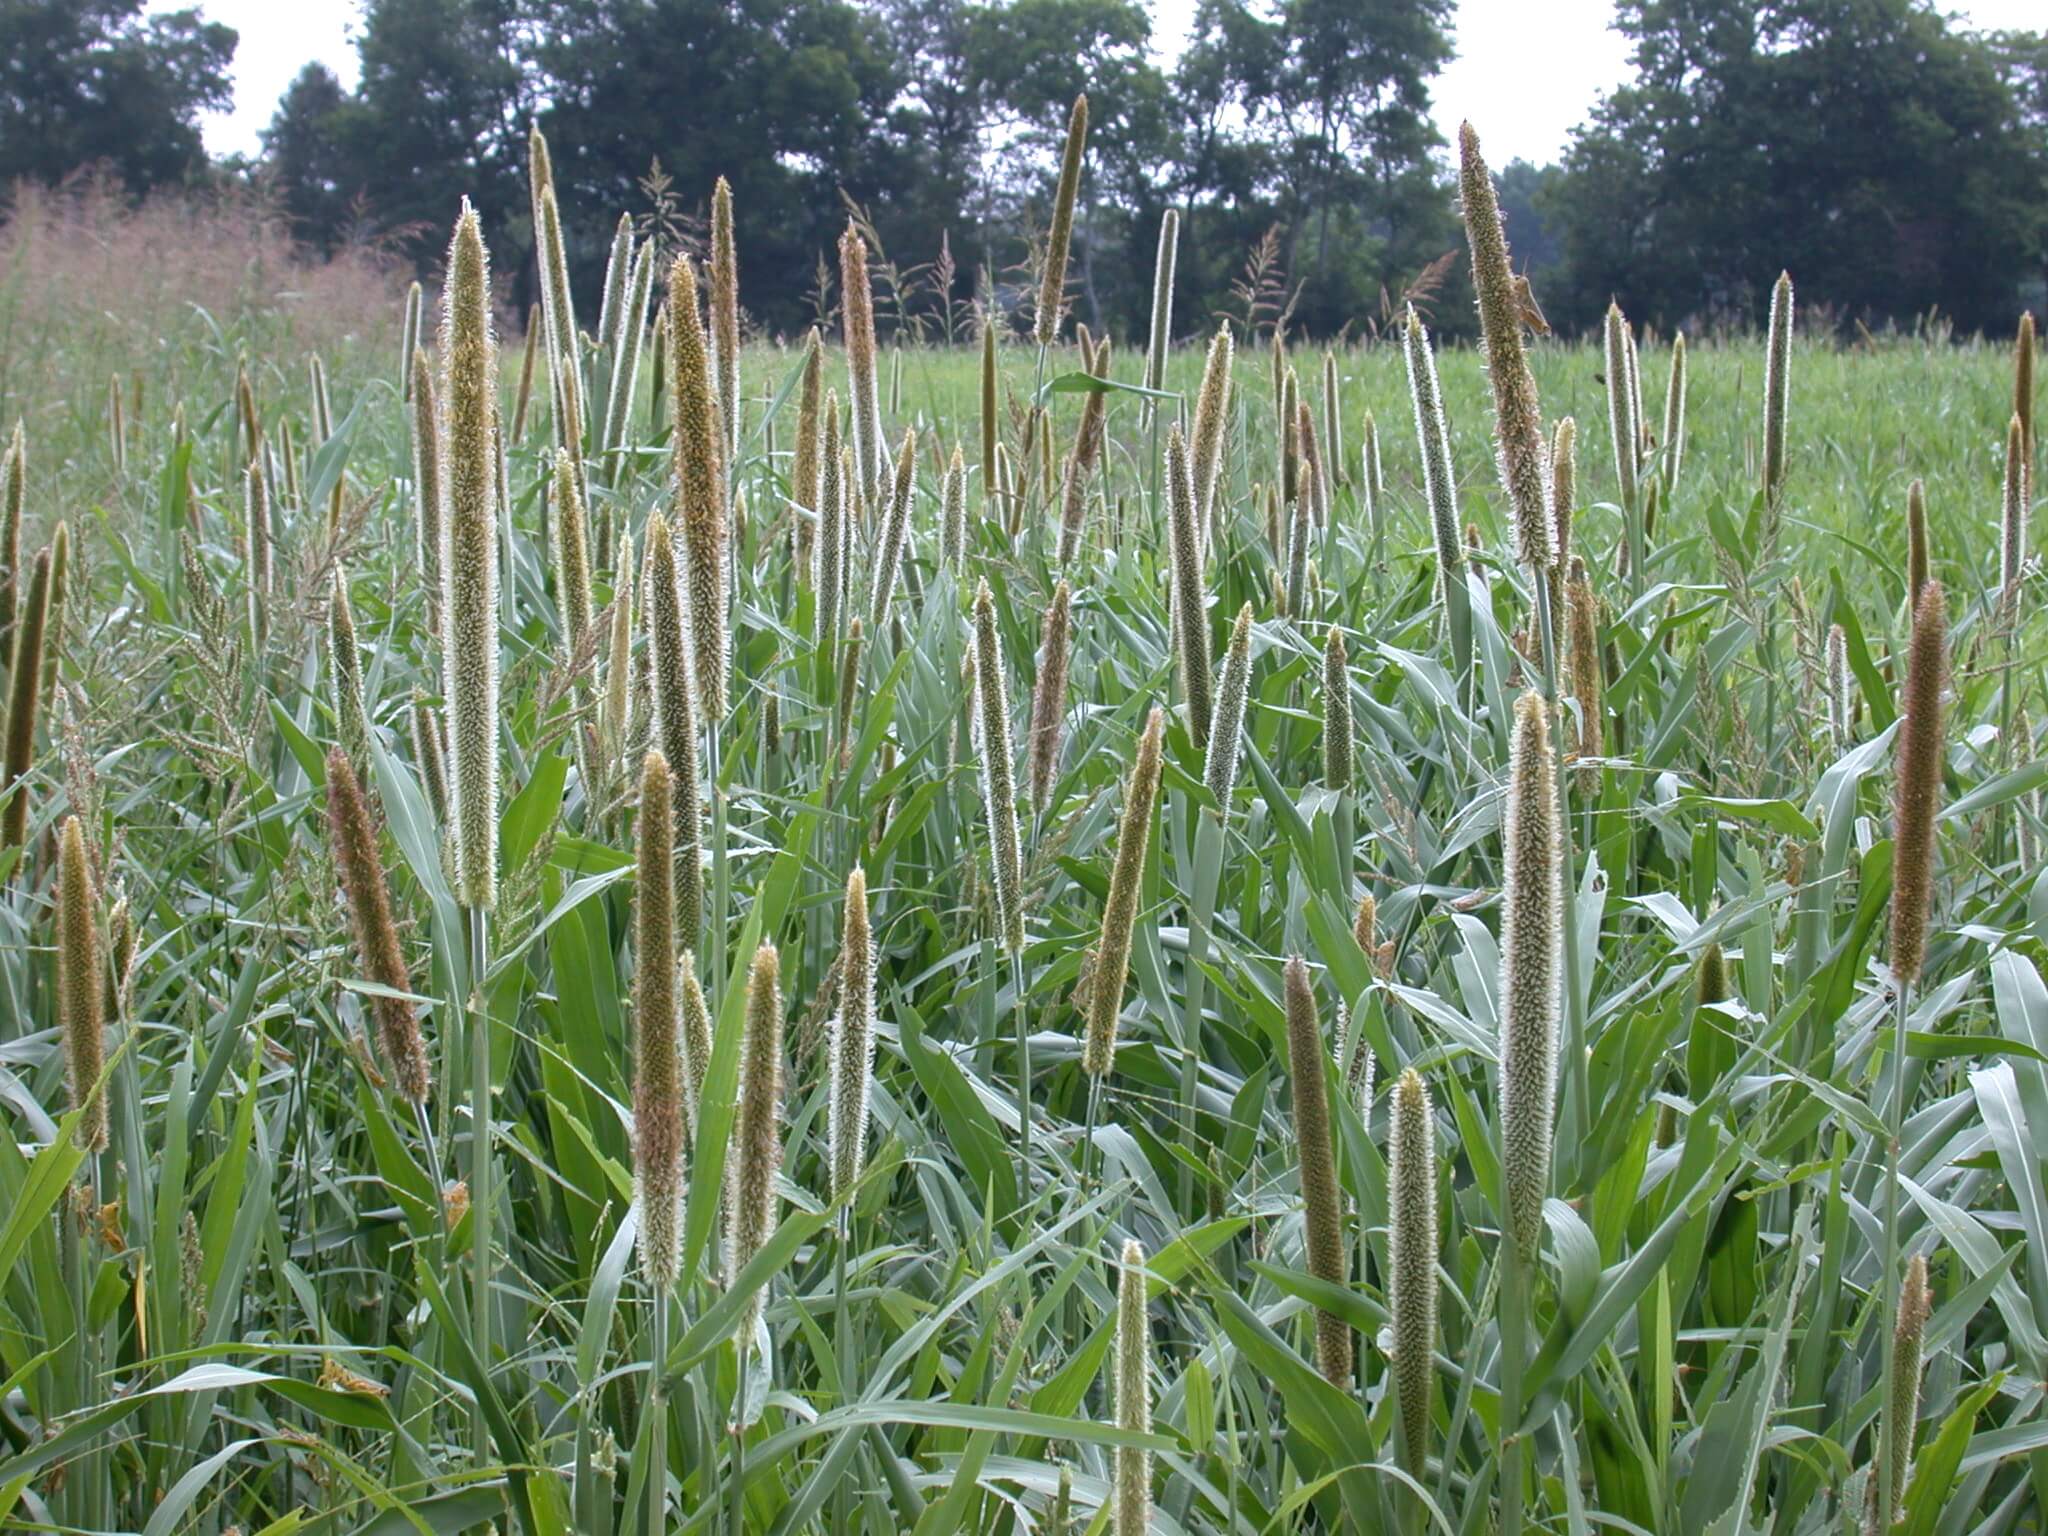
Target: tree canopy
(95,82)
(1893,160)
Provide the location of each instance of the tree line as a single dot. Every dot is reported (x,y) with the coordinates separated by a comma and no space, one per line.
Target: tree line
(1895,161)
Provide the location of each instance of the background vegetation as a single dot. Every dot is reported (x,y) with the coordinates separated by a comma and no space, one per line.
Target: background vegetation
(1895,161)
(272,1304)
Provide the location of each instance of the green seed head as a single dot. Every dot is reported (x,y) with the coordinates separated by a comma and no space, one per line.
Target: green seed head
(1621,419)
(428,753)
(1190,597)
(760,1144)
(426,470)
(675,716)
(346,669)
(1411,1264)
(858,302)
(1583,671)
(1777,388)
(828,550)
(725,311)
(1212,429)
(1049,694)
(1120,910)
(1337,727)
(853,1041)
(24,687)
(1909,1330)
(1323,1211)
(1564,477)
(1517,418)
(1162,300)
(894,535)
(1438,482)
(803,473)
(469,559)
(80,990)
(657,1063)
(998,787)
(1226,728)
(701,511)
(1916,542)
(2012,544)
(1674,416)
(1133,1514)
(1530,957)
(1052,286)
(953,512)
(572,557)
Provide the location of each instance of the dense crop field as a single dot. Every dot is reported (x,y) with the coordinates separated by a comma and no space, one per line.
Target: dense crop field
(1131,988)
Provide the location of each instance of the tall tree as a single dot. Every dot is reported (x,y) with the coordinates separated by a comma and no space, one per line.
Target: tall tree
(440,114)
(1869,146)
(87,82)
(306,146)
(1313,115)
(786,100)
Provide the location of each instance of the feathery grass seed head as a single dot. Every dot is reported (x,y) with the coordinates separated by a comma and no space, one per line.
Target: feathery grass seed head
(1191,609)
(702,515)
(1411,1264)
(354,840)
(998,787)
(760,1142)
(853,1041)
(1530,957)
(1337,726)
(1517,418)
(469,559)
(657,1061)
(1921,745)
(1120,909)
(80,991)
(1133,1496)
(1226,726)
(1323,1211)
(1777,388)
(1049,694)
(1052,288)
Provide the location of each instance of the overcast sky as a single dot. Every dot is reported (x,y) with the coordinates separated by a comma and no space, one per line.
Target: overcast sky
(1502,45)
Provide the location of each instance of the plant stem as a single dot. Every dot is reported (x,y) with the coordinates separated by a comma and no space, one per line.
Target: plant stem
(721,876)
(480,1192)
(842,1337)
(657,1419)
(1578,1096)
(1888,1281)
(738,1506)
(1021,1015)
(1208,870)
(1514,1330)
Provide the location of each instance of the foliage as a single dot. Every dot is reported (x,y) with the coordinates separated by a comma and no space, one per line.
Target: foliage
(255,1309)
(1749,142)
(89,81)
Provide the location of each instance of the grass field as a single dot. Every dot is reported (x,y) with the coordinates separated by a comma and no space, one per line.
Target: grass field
(252,1311)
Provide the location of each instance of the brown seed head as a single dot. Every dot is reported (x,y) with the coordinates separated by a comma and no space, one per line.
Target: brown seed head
(354,841)
(1921,745)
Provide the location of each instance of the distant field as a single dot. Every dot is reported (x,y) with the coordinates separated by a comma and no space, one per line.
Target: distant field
(252,1312)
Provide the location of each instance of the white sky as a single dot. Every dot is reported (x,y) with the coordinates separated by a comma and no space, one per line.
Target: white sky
(1502,45)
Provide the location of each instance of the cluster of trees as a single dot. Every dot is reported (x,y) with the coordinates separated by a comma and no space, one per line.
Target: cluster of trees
(1892,160)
